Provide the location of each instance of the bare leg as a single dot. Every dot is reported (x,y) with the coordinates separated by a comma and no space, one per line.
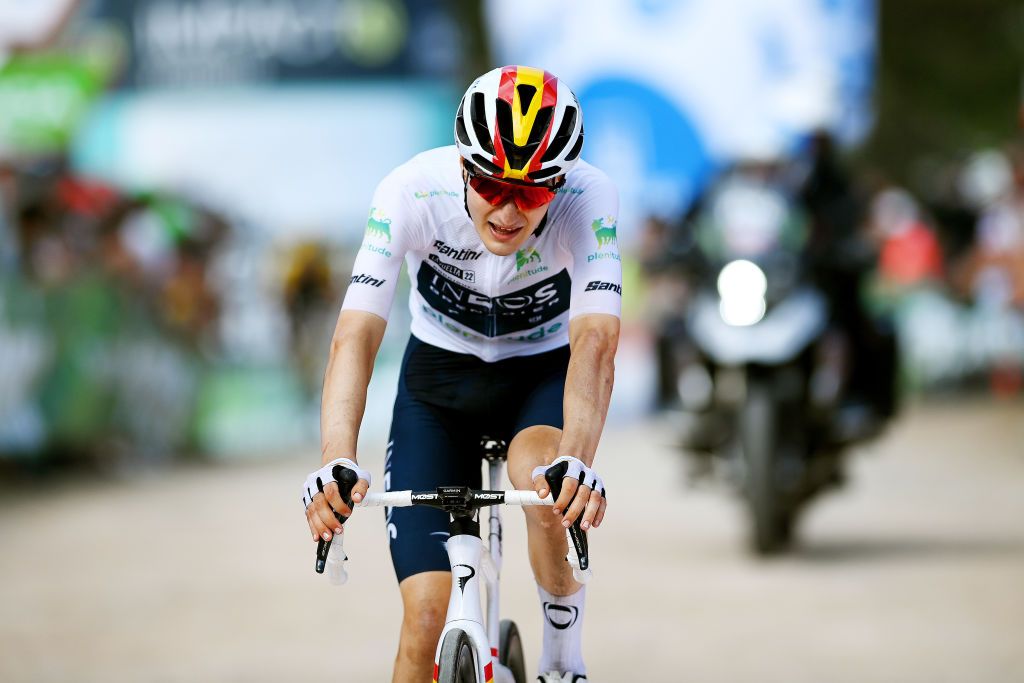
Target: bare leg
(425,601)
(532,447)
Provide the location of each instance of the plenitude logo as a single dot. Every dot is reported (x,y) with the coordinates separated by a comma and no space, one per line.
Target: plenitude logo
(525,256)
(604,231)
(378,225)
(428,194)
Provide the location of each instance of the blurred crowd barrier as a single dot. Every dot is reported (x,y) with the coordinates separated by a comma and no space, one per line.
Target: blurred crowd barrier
(147,325)
(173,176)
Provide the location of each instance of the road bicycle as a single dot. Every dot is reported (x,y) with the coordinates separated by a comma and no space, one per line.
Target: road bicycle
(470,649)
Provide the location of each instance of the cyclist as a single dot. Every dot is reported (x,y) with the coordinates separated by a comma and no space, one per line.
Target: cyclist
(510,242)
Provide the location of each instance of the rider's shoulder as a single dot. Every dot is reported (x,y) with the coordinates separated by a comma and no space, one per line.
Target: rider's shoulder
(585,178)
(431,171)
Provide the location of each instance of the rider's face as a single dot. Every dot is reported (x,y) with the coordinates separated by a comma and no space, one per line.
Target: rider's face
(504,228)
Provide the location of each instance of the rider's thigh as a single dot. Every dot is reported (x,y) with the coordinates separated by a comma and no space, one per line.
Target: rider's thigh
(531,447)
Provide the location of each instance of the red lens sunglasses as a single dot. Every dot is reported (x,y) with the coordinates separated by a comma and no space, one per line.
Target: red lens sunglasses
(526,197)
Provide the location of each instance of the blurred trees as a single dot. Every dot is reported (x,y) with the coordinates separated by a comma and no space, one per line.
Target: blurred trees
(950,80)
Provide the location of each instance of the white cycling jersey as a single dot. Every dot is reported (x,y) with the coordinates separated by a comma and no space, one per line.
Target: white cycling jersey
(466,299)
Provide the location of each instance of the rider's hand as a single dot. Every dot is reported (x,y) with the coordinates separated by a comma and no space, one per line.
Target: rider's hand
(575,497)
(321,510)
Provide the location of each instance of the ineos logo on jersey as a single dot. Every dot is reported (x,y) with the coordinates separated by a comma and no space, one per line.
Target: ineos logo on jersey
(364,279)
(561,616)
(598,286)
(495,316)
(456,254)
(463,580)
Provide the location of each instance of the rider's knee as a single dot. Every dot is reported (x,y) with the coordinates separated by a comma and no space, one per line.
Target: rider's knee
(531,447)
(423,622)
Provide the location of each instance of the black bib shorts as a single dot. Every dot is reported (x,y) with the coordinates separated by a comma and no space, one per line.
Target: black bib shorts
(446,402)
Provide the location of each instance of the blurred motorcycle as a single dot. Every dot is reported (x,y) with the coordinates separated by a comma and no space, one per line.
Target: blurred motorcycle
(761,371)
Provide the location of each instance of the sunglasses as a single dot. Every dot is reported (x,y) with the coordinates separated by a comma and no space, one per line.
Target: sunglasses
(526,197)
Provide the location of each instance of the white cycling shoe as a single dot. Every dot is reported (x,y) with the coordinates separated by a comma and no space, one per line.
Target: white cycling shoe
(567,677)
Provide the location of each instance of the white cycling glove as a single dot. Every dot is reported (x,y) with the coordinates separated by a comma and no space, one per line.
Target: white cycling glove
(577,470)
(316,481)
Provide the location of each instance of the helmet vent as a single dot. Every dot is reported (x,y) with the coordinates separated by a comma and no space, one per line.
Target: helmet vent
(575,151)
(562,137)
(460,129)
(518,157)
(546,172)
(487,165)
(526,93)
(478,114)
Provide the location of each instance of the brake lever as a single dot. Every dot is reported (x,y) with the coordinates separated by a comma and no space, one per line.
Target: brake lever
(347,479)
(577,536)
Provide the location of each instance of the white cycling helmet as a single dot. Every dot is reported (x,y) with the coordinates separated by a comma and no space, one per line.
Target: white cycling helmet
(519,124)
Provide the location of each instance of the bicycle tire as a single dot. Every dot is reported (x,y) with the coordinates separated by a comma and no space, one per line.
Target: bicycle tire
(510,650)
(456,663)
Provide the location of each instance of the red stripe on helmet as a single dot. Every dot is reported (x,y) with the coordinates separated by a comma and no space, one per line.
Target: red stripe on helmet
(506,92)
(548,99)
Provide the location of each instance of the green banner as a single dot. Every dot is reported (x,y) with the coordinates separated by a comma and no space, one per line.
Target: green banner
(42,100)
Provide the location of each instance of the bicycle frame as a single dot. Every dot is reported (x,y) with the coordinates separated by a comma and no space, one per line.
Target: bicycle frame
(469,563)
(466,556)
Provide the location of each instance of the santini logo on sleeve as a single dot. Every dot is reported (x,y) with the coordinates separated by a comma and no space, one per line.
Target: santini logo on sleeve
(598,286)
(364,279)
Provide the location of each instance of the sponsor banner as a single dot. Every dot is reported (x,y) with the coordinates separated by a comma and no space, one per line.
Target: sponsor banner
(216,42)
(494,316)
(240,149)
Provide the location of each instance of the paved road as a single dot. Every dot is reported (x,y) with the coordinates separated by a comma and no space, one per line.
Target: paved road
(914,573)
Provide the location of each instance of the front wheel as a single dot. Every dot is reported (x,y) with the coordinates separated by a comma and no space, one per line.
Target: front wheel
(771,518)
(510,650)
(456,663)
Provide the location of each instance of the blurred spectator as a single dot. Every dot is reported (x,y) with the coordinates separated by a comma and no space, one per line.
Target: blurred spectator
(662,258)
(312,300)
(843,257)
(910,251)
(992,273)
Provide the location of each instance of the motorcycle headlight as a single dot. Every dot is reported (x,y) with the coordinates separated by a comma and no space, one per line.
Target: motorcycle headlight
(742,286)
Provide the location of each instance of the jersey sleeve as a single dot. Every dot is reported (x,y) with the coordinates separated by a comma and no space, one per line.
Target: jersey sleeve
(591,239)
(391,230)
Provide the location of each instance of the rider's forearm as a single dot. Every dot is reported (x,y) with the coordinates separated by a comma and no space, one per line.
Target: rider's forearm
(588,389)
(353,349)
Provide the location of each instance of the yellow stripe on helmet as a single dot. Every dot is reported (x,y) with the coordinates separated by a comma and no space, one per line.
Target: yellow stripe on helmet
(522,124)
